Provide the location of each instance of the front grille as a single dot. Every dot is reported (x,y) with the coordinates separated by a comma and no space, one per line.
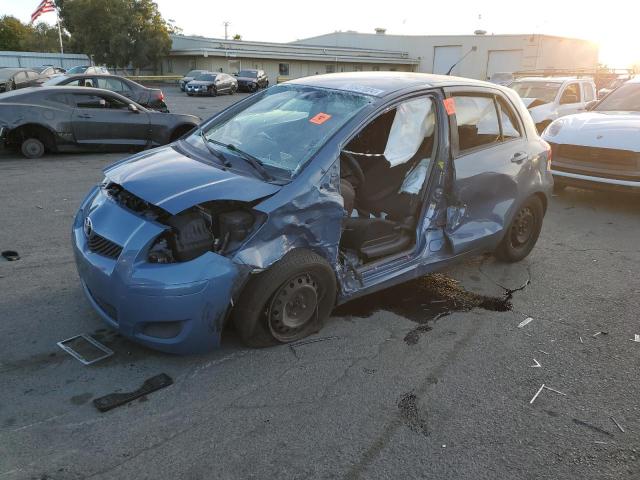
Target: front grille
(609,156)
(100,245)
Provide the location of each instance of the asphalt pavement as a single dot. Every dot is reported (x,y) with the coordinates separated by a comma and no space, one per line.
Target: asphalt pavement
(431,381)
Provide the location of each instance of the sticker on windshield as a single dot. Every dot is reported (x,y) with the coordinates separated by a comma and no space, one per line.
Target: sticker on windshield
(320,118)
(450,105)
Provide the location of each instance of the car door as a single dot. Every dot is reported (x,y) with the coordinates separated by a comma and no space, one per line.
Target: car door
(570,100)
(105,119)
(490,155)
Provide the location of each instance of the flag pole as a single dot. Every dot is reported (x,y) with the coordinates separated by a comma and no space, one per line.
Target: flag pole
(59,31)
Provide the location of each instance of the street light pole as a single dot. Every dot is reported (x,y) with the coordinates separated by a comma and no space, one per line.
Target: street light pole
(226,24)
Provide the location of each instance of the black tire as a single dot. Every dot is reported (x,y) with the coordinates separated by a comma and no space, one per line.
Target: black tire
(306,284)
(190,94)
(232,90)
(32,147)
(213,92)
(10,86)
(523,232)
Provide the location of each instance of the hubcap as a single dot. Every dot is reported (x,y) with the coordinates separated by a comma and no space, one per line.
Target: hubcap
(522,227)
(293,307)
(32,148)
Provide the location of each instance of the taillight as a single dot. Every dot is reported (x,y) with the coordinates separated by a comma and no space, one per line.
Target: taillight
(161,95)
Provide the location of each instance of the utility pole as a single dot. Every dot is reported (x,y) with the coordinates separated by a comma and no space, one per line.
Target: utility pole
(226,25)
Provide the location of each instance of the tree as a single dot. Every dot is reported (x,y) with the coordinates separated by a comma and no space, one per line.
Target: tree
(17,36)
(12,33)
(117,32)
(237,36)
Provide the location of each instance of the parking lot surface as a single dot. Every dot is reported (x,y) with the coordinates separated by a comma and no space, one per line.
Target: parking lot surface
(427,381)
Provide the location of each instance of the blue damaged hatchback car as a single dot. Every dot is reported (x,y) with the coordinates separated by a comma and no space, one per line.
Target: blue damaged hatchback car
(305,196)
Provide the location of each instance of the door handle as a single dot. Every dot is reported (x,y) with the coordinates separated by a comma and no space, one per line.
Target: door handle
(84,115)
(519,157)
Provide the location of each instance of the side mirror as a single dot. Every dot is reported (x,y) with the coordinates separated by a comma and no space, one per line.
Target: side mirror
(235,74)
(133,108)
(589,106)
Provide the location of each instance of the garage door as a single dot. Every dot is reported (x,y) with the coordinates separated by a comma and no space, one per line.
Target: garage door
(504,61)
(445,57)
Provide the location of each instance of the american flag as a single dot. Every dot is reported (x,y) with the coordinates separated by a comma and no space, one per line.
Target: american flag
(44,7)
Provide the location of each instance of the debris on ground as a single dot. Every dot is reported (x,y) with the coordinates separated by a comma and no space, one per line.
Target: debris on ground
(10,255)
(617,424)
(581,340)
(536,395)
(537,365)
(599,333)
(86,349)
(556,391)
(544,387)
(114,400)
(526,321)
(636,338)
(542,351)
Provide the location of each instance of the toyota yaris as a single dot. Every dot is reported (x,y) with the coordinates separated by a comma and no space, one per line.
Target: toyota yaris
(305,196)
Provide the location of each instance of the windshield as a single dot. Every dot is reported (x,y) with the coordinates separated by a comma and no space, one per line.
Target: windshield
(55,81)
(625,98)
(206,77)
(287,125)
(248,74)
(79,69)
(193,73)
(545,91)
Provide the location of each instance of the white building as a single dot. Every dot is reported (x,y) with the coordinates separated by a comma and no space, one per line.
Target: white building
(485,54)
(279,60)
(477,56)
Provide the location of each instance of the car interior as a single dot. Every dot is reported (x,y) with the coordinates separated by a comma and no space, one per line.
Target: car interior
(383,171)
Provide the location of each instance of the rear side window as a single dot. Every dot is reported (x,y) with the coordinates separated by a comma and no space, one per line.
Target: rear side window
(571,94)
(80,82)
(113,84)
(509,121)
(588,91)
(477,119)
(484,120)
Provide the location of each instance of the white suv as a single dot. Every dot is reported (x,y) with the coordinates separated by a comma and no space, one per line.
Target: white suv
(548,98)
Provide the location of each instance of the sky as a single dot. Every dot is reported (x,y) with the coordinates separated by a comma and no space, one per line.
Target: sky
(612,25)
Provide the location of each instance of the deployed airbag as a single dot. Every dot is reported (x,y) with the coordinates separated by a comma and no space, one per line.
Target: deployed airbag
(408,130)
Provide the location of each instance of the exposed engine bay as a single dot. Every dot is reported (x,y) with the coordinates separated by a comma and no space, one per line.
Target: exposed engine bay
(219,226)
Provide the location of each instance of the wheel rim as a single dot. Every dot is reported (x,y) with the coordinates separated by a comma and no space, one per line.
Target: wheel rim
(523,226)
(32,148)
(293,307)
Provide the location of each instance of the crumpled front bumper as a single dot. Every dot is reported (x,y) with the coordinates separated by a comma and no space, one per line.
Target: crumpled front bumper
(177,308)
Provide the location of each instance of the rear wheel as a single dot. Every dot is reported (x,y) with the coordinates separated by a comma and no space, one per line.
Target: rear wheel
(523,232)
(288,302)
(32,148)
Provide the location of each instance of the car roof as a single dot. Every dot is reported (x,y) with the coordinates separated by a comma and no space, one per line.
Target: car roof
(380,84)
(62,89)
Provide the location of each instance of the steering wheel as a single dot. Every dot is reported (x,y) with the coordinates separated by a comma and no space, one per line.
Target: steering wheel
(354,166)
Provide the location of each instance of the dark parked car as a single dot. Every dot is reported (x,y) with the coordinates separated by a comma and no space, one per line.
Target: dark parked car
(212,84)
(92,69)
(252,80)
(188,77)
(14,78)
(42,119)
(304,196)
(152,98)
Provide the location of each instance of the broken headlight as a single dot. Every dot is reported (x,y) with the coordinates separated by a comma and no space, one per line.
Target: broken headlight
(219,228)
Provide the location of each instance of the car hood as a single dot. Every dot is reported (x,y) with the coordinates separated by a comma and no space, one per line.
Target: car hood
(620,130)
(174,182)
(195,83)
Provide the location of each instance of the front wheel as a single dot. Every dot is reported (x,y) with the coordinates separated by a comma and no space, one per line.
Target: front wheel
(288,302)
(10,86)
(32,148)
(232,90)
(523,232)
(212,92)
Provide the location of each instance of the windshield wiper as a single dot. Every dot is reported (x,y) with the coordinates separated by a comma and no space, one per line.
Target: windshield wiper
(250,159)
(219,155)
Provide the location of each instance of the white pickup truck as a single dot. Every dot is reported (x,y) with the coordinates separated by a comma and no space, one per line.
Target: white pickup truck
(548,98)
